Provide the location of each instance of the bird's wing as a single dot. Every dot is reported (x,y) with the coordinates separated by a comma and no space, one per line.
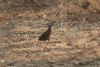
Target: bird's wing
(45,35)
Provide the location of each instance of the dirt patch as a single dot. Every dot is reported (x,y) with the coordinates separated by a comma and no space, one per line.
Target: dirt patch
(75,35)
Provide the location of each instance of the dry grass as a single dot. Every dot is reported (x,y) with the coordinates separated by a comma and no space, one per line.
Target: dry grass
(75,35)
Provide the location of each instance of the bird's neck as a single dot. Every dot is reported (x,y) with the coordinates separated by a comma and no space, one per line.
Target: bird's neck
(49,28)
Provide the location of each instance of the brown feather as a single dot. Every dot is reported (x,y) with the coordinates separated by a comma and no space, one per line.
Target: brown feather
(46,34)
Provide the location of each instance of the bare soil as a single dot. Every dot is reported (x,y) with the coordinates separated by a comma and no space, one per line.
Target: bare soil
(75,33)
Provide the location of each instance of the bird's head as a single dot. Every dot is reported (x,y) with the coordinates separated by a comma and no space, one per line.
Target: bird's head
(49,25)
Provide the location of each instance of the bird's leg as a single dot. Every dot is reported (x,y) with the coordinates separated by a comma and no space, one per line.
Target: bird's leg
(49,41)
(44,41)
(45,45)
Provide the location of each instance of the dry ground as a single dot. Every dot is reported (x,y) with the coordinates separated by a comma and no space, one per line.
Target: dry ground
(75,35)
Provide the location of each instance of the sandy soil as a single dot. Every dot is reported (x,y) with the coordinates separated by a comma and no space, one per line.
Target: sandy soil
(75,34)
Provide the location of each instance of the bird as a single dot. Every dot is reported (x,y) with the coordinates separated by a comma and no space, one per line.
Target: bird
(46,34)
